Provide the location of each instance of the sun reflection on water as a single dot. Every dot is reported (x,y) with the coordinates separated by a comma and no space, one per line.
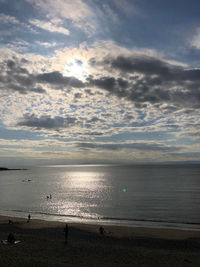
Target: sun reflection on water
(89,180)
(81,193)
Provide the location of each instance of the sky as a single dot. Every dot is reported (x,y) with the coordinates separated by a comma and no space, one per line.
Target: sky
(99,82)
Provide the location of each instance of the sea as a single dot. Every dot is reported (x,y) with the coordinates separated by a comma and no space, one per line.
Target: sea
(160,196)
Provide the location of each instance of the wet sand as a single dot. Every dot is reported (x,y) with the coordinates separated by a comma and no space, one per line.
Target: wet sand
(42,244)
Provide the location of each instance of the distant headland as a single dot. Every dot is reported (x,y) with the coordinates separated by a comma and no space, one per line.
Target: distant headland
(7,169)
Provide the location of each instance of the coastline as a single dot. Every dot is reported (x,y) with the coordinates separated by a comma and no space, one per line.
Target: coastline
(121,246)
(111,230)
(134,223)
(13,169)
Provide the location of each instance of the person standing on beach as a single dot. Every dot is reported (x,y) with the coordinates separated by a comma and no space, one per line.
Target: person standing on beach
(66,231)
(101,230)
(29,218)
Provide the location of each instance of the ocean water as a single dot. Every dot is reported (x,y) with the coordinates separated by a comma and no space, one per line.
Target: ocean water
(154,195)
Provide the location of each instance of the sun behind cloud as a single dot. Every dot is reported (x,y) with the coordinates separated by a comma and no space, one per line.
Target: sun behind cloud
(76,68)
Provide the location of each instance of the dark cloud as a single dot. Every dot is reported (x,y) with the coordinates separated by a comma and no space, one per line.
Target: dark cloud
(194,155)
(38,89)
(152,66)
(114,86)
(94,120)
(77,95)
(46,122)
(89,92)
(14,77)
(56,78)
(137,146)
(143,80)
(152,81)
(145,65)
(11,64)
(95,134)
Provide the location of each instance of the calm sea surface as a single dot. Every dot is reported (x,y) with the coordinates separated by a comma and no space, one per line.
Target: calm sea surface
(160,196)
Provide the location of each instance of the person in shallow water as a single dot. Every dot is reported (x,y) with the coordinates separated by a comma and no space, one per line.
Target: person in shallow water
(11,239)
(66,231)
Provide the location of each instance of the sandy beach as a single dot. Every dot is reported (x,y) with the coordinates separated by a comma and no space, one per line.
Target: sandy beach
(42,244)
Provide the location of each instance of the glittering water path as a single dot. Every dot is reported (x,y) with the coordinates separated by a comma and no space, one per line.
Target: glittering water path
(130,195)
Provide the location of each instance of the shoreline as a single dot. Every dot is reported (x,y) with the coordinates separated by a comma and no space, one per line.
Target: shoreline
(111,230)
(187,226)
(43,244)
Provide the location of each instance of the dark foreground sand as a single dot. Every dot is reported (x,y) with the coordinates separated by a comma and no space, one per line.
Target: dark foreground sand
(42,244)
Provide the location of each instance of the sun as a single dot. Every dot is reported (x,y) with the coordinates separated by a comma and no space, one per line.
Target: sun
(76,68)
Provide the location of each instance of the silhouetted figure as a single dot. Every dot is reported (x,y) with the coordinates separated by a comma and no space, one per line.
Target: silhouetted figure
(50,196)
(11,238)
(10,222)
(66,231)
(29,218)
(101,230)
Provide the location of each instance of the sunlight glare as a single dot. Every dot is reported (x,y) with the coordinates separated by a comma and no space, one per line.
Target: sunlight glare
(76,68)
(84,179)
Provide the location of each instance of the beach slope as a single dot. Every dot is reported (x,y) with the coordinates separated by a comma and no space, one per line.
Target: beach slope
(42,244)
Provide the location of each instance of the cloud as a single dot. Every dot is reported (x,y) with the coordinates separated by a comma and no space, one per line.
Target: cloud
(115,86)
(120,146)
(126,6)
(139,79)
(46,122)
(195,41)
(49,26)
(15,77)
(77,11)
(143,98)
(46,44)
(188,155)
(50,123)
(149,65)
(56,78)
(18,45)
(149,80)
(8,19)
